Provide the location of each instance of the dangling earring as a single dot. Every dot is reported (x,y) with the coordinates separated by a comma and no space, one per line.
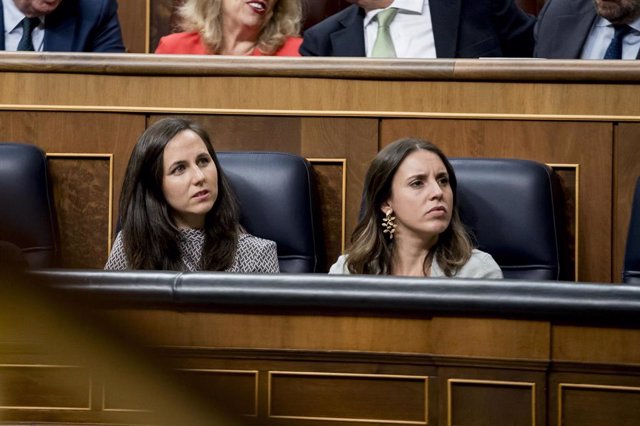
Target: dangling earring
(388,224)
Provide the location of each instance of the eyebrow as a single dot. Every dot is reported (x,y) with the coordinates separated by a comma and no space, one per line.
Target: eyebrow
(176,163)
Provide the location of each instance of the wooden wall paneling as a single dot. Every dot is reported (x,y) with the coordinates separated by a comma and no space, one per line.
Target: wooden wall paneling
(247,330)
(471,396)
(582,399)
(330,179)
(626,170)
(596,344)
(343,397)
(32,386)
(80,133)
(134,22)
(587,144)
(490,338)
(82,197)
(248,132)
(236,390)
(352,139)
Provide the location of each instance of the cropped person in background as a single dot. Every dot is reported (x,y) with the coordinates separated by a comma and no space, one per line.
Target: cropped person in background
(423,29)
(236,27)
(411,225)
(60,26)
(178,211)
(588,29)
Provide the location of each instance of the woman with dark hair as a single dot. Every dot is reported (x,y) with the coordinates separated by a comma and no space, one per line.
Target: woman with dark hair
(411,225)
(178,211)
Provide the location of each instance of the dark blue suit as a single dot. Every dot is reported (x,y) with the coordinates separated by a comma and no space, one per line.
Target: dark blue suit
(461,29)
(563,28)
(80,26)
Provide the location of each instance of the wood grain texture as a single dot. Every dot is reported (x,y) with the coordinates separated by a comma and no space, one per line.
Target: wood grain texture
(133,22)
(346,396)
(31,386)
(328,178)
(596,344)
(490,338)
(492,404)
(81,195)
(222,330)
(626,171)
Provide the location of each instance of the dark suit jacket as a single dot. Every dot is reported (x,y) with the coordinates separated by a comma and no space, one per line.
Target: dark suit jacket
(563,27)
(461,29)
(80,26)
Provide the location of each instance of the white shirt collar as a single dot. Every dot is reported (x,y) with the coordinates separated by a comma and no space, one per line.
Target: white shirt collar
(13,16)
(407,6)
(602,22)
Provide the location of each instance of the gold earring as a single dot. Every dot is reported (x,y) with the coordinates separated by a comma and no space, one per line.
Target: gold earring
(389,225)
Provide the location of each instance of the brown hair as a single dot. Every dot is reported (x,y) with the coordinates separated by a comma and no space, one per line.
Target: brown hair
(205,17)
(371,250)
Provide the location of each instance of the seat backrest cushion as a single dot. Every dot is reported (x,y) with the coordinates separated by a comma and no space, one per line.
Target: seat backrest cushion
(277,202)
(510,207)
(27,215)
(631,269)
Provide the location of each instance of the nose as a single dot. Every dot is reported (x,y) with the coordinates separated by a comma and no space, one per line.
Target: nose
(197,176)
(436,190)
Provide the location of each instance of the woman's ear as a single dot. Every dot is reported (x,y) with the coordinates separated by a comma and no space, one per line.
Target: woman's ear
(385,207)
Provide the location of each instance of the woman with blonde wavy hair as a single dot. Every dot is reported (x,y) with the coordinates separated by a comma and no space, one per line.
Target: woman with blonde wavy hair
(236,27)
(410,224)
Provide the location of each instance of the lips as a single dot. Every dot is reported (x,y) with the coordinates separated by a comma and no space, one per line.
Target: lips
(200,194)
(258,6)
(437,209)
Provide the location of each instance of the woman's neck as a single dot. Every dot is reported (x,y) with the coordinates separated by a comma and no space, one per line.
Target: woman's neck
(239,40)
(409,257)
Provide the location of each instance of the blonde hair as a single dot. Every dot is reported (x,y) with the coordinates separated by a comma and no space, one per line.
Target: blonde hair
(205,17)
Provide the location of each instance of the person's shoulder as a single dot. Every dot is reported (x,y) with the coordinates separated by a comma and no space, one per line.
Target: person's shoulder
(255,255)
(340,267)
(480,265)
(290,47)
(246,241)
(97,6)
(336,20)
(185,42)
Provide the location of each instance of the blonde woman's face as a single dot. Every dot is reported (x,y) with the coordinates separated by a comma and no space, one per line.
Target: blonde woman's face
(248,13)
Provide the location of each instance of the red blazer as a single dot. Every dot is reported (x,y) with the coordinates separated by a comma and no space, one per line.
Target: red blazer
(191,44)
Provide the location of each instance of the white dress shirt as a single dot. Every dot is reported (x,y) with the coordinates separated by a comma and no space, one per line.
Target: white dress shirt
(13,28)
(411,29)
(601,35)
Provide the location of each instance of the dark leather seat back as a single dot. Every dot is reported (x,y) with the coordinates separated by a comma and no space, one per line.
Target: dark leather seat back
(27,214)
(277,202)
(512,209)
(631,269)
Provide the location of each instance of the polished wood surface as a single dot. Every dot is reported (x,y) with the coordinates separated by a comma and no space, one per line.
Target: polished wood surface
(340,112)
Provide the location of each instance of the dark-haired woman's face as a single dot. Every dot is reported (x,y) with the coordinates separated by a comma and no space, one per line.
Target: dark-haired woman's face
(190,179)
(421,197)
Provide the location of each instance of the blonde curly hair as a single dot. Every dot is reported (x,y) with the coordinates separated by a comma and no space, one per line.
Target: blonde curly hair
(205,17)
